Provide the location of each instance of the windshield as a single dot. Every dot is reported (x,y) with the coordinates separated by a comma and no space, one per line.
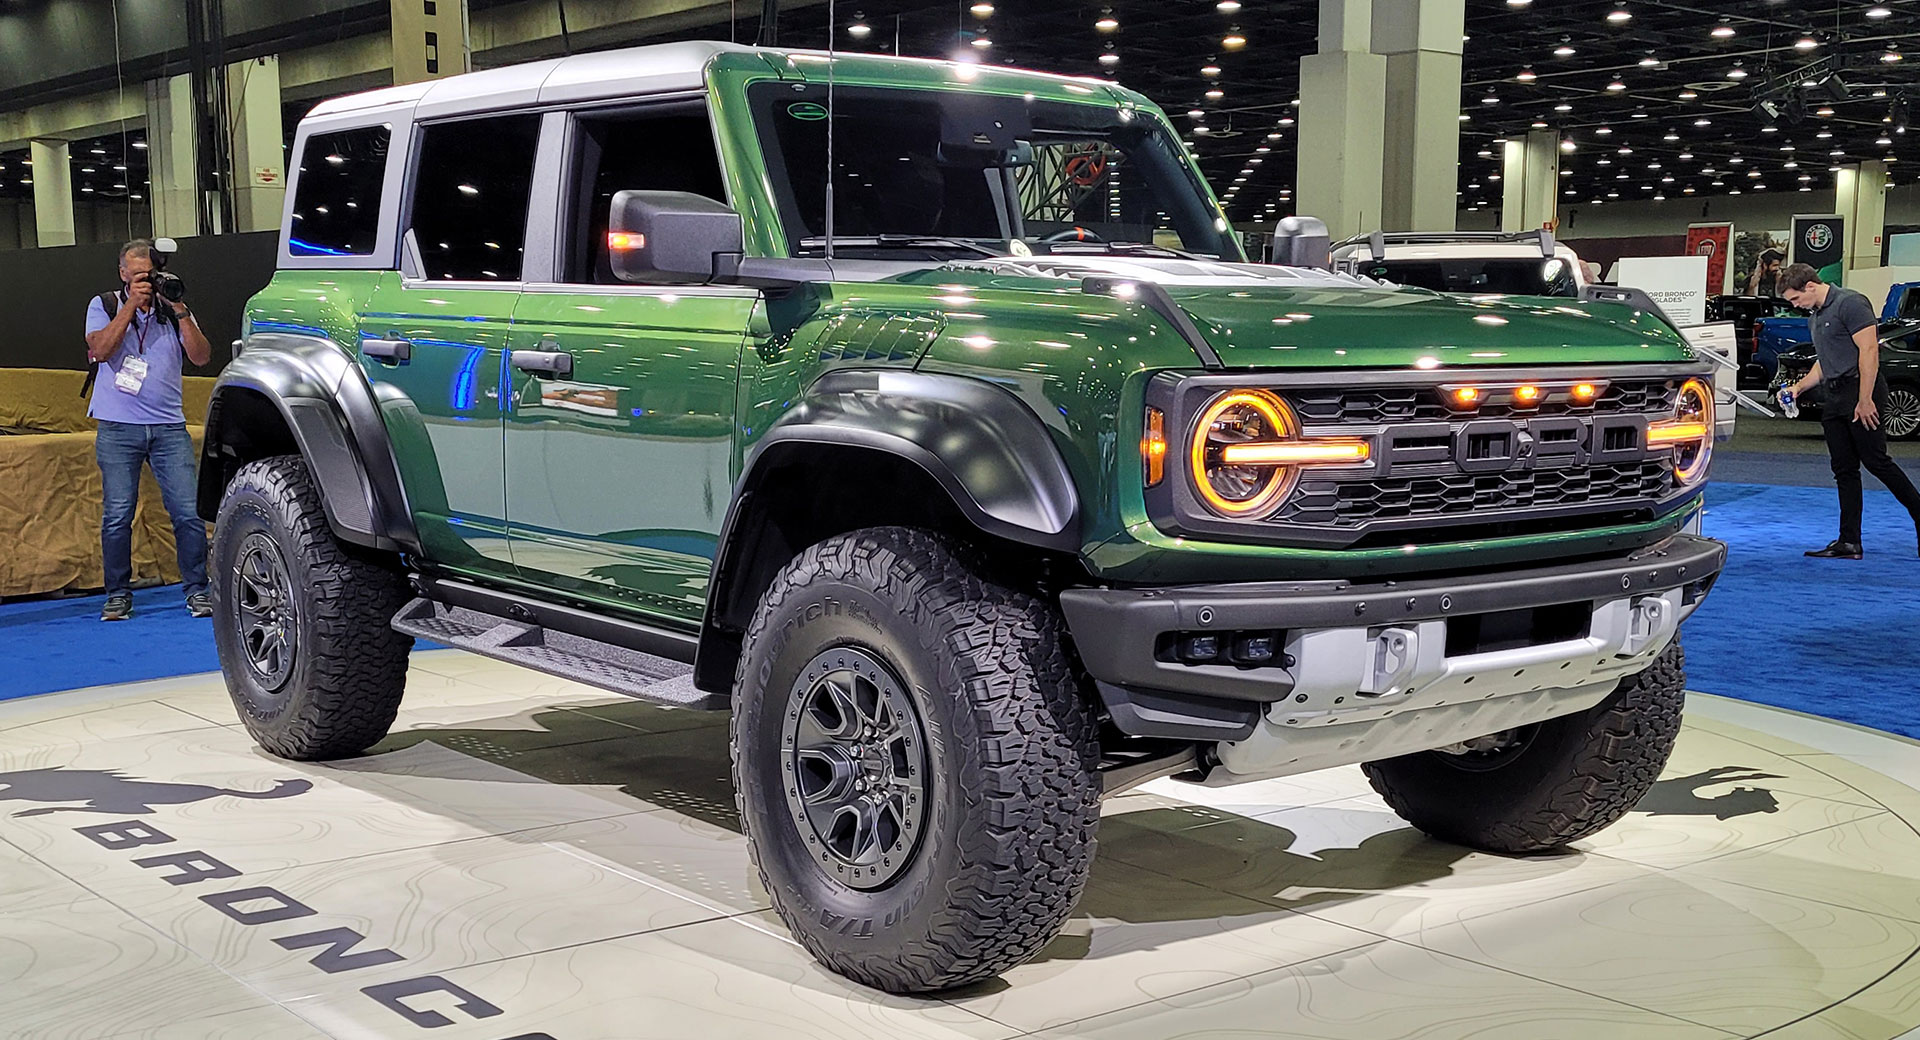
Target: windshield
(1522,276)
(917,166)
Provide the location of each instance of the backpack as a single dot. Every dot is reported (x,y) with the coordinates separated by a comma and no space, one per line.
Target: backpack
(109,302)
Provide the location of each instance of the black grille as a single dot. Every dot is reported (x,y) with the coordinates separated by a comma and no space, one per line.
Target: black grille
(1350,504)
(1336,406)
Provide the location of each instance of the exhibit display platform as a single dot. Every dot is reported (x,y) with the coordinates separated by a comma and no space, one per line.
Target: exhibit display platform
(526,857)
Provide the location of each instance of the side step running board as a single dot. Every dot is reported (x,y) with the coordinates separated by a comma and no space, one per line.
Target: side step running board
(606,665)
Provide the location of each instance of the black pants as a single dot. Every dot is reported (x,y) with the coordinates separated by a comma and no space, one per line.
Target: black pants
(1851,445)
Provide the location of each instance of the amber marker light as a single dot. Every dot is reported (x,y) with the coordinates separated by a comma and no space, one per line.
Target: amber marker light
(622,241)
(1153,448)
(1466,396)
(1585,393)
(1667,434)
(1526,395)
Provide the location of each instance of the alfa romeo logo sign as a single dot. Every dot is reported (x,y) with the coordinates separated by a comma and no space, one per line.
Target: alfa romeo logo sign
(1819,237)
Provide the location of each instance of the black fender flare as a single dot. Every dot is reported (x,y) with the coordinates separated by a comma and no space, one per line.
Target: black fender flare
(981,444)
(331,412)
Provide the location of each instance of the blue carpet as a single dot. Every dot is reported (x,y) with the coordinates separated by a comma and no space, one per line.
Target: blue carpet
(1828,637)
(61,644)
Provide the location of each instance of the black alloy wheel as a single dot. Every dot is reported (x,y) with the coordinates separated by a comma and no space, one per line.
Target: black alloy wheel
(856,751)
(267,624)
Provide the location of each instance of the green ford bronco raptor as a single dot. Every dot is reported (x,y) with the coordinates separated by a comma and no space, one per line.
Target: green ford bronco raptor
(929,418)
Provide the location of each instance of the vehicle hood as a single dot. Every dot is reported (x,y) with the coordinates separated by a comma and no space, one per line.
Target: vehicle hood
(1261,316)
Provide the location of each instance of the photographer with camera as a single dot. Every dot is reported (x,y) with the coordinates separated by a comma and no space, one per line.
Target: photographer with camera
(138,339)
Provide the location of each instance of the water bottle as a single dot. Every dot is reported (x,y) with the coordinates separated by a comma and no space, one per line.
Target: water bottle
(1788,403)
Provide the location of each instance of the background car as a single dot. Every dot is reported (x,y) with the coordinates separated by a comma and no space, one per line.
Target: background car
(1899,359)
(1751,314)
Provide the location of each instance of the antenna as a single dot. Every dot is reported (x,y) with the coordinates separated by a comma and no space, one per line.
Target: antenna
(833,23)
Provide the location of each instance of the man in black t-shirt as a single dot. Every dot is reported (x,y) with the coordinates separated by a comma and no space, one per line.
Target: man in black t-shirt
(1846,337)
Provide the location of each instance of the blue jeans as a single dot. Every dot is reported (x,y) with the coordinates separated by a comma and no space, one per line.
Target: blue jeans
(120,449)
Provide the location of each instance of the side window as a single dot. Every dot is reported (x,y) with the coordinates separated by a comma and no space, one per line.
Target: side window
(336,205)
(470,188)
(668,150)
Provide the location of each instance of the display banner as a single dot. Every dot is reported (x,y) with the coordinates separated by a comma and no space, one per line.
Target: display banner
(1677,283)
(1819,241)
(1713,241)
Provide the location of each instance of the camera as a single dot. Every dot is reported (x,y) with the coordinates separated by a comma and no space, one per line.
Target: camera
(166,285)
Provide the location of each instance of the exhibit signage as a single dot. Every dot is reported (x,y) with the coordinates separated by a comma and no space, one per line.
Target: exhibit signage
(1677,283)
(1819,241)
(1713,241)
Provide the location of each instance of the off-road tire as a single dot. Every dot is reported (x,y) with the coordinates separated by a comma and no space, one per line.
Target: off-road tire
(1570,776)
(1012,750)
(348,666)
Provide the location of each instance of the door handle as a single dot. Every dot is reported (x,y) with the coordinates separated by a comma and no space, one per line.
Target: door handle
(556,363)
(392,351)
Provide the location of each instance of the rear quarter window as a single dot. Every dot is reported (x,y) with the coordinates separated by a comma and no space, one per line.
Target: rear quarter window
(336,200)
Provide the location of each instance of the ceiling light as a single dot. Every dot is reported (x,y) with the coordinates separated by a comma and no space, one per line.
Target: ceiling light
(1688,95)
(983,43)
(1195,113)
(1490,99)
(1805,43)
(1518,3)
(1563,51)
(1671,136)
(1567,145)
(1526,75)
(1273,137)
(1107,23)
(1790,165)
(1215,94)
(1604,131)
(1624,150)
(1721,31)
(1878,12)
(1703,122)
(1736,73)
(1823,111)
(1619,16)
(142,145)
(1227,6)
(1109,58)
(859,30)
(1616,86)
(1649,62)
(1563,107)
(1286,121)
(1209,70)
(1538,125)
(1233,41)
(982,10)
(1465,117)
(1890,57)
(1684,156)
(1824,134)
(1883,141)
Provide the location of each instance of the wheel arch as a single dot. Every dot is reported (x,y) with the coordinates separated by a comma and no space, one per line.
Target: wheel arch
(870,449)
(292,394)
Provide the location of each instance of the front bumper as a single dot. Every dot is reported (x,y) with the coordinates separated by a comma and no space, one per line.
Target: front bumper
(1337,652)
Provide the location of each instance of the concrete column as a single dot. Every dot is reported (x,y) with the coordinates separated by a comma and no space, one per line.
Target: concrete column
(1343,94)
(1530,181)
(259,147)
(1860,196)
(172,157)
(52,193)
(1420,40)
(429,39)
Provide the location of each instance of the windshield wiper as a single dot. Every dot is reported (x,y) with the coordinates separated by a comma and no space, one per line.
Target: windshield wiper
(901,241)
(1129,249)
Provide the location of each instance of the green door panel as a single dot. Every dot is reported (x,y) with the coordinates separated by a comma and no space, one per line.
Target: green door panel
(618,477)
(442,410)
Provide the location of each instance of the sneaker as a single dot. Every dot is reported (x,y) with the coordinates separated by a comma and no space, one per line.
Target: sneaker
(1837,551)
(199,604)
(119,607)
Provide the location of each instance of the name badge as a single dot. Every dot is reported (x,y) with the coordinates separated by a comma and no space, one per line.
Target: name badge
(131,375)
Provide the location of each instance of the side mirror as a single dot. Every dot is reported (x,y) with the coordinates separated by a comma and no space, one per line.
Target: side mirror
(671,237)
(1302,242)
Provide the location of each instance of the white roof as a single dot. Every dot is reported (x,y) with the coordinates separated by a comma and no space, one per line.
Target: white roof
(627,72)
(581,77)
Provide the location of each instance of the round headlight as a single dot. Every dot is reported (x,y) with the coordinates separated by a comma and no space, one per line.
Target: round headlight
(1241,417)
(1693,414)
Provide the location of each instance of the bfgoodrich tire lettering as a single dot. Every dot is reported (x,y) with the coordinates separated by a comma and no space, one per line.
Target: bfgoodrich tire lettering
(1007,836)
(1562,779)
(329,682)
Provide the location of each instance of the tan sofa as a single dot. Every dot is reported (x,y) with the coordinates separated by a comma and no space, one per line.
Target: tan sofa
(50,488)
